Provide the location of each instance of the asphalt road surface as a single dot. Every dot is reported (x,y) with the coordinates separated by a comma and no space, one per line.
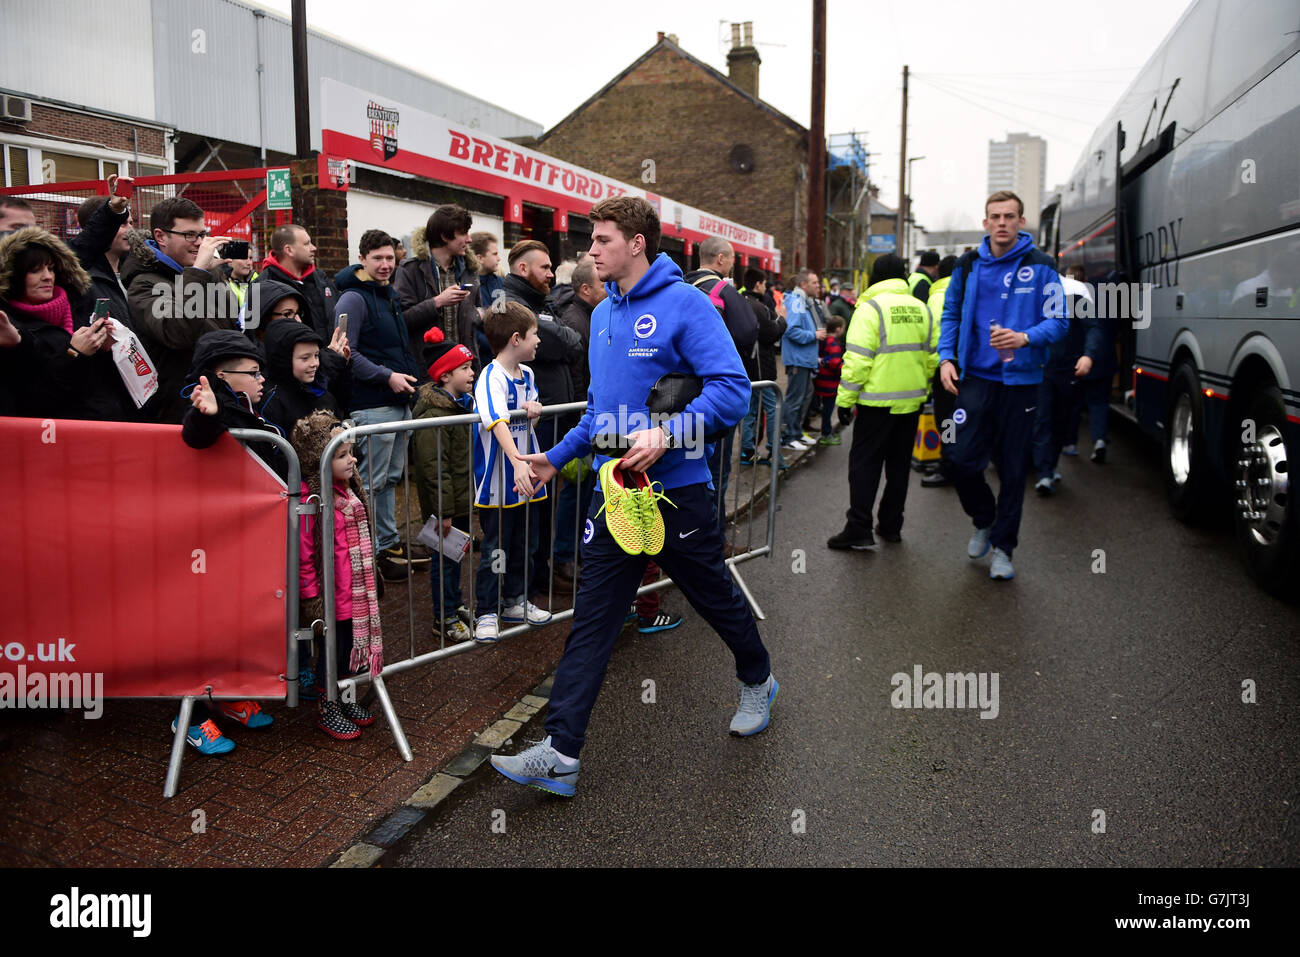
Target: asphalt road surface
(1121,736)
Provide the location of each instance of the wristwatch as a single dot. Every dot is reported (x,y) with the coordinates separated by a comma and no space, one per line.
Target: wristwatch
(670,440)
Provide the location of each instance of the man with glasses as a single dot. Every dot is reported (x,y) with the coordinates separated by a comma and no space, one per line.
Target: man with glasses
(176,294)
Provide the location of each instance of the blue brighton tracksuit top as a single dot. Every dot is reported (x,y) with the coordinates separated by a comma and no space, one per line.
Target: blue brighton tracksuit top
(1019,290)
(662,325)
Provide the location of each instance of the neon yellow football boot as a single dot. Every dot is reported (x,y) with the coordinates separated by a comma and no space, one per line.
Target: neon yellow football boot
(619,510)
(641,502)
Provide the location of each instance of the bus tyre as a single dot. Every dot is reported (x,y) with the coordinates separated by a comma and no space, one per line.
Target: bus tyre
(1264,513)
(1186,468)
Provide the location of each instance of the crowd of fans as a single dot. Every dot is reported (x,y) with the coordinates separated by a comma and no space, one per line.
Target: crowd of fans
(282,347)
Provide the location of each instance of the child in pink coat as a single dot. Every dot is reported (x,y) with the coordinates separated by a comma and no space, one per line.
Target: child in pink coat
(359,640)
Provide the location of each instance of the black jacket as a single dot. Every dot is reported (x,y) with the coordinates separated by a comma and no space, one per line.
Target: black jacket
(839,306)
(315,290)
(417,281)
(770,330)
(378,336)
(169,327)
(560,296)
(234,410)
(91,246)
(576,315)
(286,400)
(739,318)
(41,379)
(559,349)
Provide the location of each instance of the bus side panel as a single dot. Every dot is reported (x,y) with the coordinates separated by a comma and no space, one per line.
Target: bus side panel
(1211,291)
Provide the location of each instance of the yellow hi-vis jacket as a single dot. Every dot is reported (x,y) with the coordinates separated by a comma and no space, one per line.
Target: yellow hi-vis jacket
(891,352)
(938,290)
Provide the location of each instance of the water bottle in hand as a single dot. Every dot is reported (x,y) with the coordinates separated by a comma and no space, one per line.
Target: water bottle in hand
(1006,355)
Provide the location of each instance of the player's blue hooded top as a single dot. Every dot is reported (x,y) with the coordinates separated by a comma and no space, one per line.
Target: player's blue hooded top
(662,325)
(1019,290)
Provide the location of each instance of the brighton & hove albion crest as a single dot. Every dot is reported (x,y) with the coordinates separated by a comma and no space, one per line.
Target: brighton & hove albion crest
(645,326)
(383,130)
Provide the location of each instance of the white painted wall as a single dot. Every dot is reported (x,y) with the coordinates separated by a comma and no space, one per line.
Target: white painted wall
(398,217)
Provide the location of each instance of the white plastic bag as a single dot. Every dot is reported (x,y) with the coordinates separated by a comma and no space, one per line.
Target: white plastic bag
(137,370)
(455,544)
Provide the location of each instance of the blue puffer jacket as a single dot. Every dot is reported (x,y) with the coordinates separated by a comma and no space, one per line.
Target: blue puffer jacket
(1034,304)
(799,344)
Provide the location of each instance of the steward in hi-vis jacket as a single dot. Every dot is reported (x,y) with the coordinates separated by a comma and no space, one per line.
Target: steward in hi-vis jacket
(889,359)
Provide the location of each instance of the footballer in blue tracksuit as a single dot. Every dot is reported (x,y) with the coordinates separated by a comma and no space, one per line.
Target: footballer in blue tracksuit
(652,324)
(1005,299)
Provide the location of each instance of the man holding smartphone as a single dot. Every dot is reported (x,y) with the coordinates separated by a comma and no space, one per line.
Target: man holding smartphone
(437,284)
(176,294)
(237,267)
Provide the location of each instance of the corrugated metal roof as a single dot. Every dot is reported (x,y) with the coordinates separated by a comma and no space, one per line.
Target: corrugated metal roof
(203,93)
(192,64)
(95,55)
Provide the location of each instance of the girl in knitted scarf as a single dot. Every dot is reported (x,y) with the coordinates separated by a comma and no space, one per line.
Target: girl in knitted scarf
(359,640)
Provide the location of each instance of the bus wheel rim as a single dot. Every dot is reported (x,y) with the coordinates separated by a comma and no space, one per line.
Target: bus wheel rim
(1180,441)
(1263,486)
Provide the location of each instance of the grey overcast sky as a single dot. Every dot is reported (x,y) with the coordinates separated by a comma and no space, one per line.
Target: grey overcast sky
(979,69)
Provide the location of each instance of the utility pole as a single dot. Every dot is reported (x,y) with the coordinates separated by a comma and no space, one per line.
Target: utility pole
(817,143)
(901,231)
(301,95)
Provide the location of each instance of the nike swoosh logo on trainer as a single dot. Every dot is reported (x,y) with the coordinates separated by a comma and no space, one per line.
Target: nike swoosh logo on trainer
(687,534)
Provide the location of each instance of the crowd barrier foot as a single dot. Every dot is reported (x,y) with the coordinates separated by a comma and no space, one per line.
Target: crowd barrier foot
(390,713)
(744,589)
(178,747)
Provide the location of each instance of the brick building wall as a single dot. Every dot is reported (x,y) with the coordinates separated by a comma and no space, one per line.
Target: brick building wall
(672,111)
(71,127)
(324,213)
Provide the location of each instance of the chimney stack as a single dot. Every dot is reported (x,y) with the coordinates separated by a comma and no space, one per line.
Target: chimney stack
(743,59)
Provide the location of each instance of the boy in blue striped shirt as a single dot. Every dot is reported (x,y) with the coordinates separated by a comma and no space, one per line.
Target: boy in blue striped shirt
(504,498)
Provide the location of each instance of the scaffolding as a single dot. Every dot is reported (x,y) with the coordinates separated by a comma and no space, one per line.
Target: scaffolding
(848,218)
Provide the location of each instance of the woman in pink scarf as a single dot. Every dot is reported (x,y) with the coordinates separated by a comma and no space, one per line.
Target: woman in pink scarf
(62,366)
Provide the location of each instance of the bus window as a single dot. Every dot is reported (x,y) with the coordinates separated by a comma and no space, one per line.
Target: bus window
(1249,38)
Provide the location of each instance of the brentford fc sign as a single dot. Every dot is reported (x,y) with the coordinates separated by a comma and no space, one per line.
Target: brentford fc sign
(383,130)
(360,125)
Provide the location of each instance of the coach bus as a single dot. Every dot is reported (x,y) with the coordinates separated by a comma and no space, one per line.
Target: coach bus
(1187,201)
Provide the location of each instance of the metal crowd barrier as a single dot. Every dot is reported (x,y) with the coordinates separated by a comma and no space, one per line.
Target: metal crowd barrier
(293,493)
(750,506)
(353,433)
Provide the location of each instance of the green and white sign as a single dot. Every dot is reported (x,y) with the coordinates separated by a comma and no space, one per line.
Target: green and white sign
(278,193)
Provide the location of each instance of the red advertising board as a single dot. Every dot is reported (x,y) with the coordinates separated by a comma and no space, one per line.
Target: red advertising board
(128,553)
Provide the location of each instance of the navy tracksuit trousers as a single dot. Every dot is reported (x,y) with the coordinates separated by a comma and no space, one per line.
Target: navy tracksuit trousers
(692,557)
(993,421)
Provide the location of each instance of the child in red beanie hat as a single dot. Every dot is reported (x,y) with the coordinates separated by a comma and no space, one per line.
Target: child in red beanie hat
(444,470)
